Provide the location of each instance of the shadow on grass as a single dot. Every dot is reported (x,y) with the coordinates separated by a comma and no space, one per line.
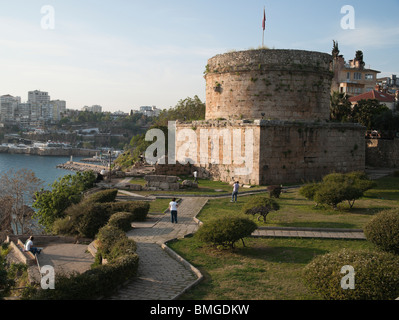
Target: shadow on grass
(302,255)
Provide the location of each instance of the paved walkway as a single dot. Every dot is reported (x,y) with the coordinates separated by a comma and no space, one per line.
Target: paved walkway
(162,275)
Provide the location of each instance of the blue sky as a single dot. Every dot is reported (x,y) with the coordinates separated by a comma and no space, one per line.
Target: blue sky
(125,54)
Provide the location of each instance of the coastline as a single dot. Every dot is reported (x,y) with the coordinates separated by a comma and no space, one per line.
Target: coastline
(49,151)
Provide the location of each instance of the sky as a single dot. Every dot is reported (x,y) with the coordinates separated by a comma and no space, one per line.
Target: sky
(123,54)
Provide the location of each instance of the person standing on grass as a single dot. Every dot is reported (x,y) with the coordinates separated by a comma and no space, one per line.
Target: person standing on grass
(173,210)
(235,192)
(195,176)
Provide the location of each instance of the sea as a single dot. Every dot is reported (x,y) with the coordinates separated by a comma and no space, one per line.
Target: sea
(44,167)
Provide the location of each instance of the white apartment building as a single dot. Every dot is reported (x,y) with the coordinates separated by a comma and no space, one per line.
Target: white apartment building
(8,107)
(38,97)
(95,109)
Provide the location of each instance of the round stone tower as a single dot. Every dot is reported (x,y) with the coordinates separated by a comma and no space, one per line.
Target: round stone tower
(269,84)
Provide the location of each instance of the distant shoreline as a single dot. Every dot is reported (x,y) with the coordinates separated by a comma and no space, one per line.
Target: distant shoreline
(67,152)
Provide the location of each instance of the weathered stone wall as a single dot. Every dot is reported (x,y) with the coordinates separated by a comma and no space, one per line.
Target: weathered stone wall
(215,146)
(283,151)
(296,152)
(158,182)
(281,84)
(382,153)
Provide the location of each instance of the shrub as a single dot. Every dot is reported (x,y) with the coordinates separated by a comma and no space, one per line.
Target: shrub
(309,190)
(92,284)
(138,209)
(103,196)
(337,187)
(64,226)
(261,206)
(121,220)
(86,217)
(274,191)
(226,231)
(383,230)
(96,216)
(376,275)
(106,238)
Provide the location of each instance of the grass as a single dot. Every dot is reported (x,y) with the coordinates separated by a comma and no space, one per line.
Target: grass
(271,268)
(205,187)
(159,205)
(266,269)
(297,211)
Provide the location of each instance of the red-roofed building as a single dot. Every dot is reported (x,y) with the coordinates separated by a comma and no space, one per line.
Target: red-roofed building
(382,97)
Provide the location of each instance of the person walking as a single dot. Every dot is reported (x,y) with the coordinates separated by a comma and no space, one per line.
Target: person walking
(195,173)
(235,192)
(173,210)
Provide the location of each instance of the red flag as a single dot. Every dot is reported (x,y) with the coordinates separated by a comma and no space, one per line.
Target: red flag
(264,20)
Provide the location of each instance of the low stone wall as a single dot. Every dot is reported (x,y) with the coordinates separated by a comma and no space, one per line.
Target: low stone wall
(160,182)
(382,153)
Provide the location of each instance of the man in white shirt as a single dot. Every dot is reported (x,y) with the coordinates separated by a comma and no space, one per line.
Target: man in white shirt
(173,210)
(195,176)
(29,246)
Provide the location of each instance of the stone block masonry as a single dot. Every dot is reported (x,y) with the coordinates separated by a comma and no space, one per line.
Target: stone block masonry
(283,152)
(281,98)
(280,84)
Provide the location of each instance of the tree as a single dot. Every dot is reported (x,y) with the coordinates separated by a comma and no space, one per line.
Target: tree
(338,187)
(261,206)
(17,189)
(189,109)
(359,57)
(365,111)
(340,107)
(335,50)
(64,192)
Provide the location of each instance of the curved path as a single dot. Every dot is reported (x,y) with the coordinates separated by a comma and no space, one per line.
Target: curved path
(162,274)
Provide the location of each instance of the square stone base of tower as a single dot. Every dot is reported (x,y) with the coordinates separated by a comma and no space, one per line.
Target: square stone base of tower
(263,152)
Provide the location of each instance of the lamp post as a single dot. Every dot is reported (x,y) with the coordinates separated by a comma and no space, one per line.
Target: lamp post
(109,172)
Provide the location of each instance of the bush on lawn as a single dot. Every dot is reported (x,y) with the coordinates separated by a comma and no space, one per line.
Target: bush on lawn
(337,187)
(309,190)
(226,231)
(383,230)
(260,206)
(376,275)
(274,191)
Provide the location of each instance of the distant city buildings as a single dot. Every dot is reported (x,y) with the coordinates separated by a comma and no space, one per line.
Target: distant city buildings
(39,109)
(95,109)
(149,111)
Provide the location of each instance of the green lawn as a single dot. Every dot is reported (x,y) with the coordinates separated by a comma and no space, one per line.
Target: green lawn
(205,187)
(270,268)
(297,211)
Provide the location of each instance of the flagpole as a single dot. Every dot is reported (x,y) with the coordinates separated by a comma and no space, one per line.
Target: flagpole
(264,26)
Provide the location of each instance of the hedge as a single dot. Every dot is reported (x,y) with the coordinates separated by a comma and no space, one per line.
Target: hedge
(108,195)
(376,275)
(86,218)
(101,281)
(383,230)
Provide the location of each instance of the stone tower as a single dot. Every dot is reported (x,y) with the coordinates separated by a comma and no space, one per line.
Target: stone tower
(281,99)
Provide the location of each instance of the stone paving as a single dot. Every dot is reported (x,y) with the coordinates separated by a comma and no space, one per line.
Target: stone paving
(161,273)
